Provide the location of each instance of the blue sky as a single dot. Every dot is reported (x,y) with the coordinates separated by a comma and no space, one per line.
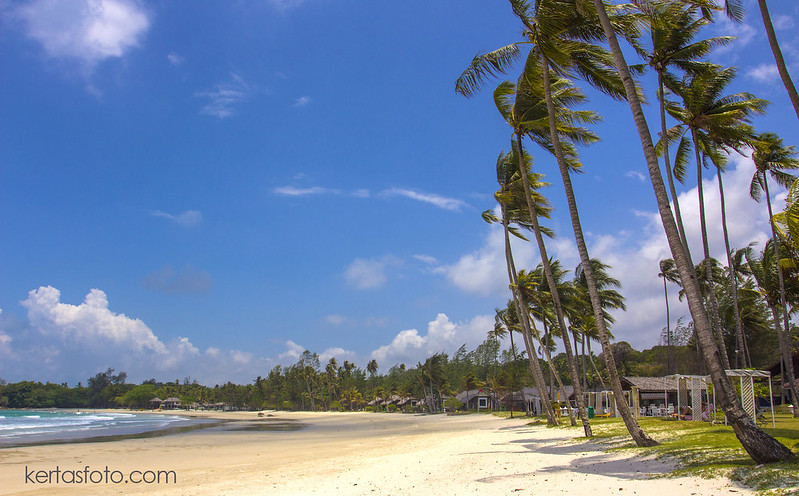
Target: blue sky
(207,192)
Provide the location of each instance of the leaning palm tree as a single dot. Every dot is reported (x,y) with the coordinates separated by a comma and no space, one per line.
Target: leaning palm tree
(673,26)
(535,290)
(778,58)
(711,117)
(511,209)
(562,32)
(524,115)
(772,159)
(760,446)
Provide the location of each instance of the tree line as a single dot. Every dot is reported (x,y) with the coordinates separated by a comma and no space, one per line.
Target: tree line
(306,385)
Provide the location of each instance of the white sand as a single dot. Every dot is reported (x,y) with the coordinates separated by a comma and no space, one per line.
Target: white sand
(362,453)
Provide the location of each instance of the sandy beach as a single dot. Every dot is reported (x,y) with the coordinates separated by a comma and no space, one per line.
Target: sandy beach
(351,453)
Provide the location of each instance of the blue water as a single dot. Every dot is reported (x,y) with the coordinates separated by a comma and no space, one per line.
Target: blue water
(19,427)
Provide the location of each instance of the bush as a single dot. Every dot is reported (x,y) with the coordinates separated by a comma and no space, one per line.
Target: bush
(452,404)
(336,406)
(392,408)
(370,409)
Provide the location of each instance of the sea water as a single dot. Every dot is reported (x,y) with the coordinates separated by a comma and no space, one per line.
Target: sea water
(20,427)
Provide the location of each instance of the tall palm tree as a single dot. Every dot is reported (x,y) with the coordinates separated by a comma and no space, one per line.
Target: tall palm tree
(610,299)
(711,117)
(669,274)
(561,35)
(523,115)
(510,208)
(760,446)
(673,26)
(772,158)
(778,58)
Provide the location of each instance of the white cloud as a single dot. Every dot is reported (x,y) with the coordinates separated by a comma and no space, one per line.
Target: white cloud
(293,350)
(64,341)
(302,101)
(189,218)
(783,22)
(635,175)
(433,199)
(409,346)
(335,319)
(426,259)
(88,30)
(295,191)
(175,59)
(765,73)
(225,97)
(633,256)
(90,322)
(340,354)
(368,274)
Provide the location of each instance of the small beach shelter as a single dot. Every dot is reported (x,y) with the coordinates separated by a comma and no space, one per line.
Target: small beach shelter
(746,380)
(155,403)
(170,404)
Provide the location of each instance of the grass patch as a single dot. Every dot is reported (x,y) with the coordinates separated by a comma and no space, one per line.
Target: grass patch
(703,450)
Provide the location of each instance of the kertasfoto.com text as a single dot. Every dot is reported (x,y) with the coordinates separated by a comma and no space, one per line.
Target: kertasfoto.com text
(89,475)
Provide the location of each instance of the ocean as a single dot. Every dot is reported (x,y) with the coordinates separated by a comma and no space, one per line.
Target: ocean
(25,427)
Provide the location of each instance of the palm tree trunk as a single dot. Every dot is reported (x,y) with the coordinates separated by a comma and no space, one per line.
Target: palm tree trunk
(740,352)
(760,446)
(521,313)
(783,332)
(669,173)
(593,365)
(711,291)
(553,290)
(554,376)
(775,49)
(639,436)
(668,328)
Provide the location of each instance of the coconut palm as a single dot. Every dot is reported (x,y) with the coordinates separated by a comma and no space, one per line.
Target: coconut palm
(760,446)
(524,114)
(673,26)
(510,204)
(535,290)
(772,159)
(711,118)
(563,39)
(766,272)
(669,274)
(778,58)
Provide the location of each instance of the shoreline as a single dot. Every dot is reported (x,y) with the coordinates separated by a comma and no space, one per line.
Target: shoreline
(361,453)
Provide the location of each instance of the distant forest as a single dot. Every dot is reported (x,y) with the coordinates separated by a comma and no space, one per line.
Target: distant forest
(309,385)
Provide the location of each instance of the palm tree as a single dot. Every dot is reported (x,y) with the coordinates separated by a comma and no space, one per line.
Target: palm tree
(511,208)
(535,289)
(521,118)
(669,274)
(672,27)
(771,158)
(778,58)
(711,118)
(760,446)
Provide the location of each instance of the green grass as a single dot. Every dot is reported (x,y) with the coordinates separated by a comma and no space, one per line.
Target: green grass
(704,450)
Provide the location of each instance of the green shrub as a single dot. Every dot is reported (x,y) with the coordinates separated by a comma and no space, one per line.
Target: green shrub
(452,404)
(391,408)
